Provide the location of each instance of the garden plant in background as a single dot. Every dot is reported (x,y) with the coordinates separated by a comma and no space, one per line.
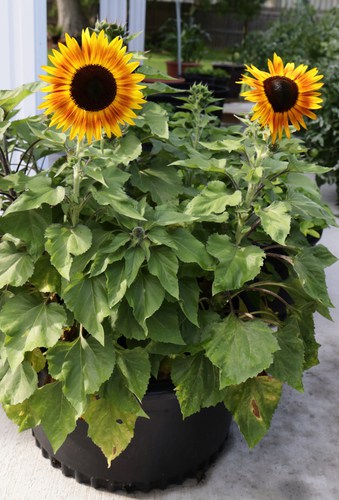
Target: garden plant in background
(159,246)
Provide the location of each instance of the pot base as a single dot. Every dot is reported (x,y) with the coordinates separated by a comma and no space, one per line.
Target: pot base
(165,448)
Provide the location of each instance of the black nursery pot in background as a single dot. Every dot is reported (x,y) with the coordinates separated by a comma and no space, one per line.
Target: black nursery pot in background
(165,449)
(234,72)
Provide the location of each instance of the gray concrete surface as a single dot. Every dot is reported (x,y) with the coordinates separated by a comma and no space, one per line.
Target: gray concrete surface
(297,460)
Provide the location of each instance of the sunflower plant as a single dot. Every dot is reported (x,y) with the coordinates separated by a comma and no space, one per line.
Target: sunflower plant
(158,246)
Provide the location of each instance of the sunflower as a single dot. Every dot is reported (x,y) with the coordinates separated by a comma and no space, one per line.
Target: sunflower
(283,95)
(92,87)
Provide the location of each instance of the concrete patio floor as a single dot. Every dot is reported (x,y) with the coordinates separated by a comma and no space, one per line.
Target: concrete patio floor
(297,460)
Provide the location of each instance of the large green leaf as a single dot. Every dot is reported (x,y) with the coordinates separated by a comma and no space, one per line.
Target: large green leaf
(18,384)
(253,404)
(45,277)
(39,190)
(83,365)
(288,362)
(116,283)
(276,221)
(112,251)
(22,415)
(189,293)
(16,266)
(307,208)
(145,296)
(113,194)
(161,181)
(163,264)
(214,198)
(30,322)
(189,249)
(197,383)
(126,325)
(9,99)
(111,417)
(57,416)
(135,366)
(236,264)
(128,149)
(155,117)
(63,241)
(311,275)
(28,227)
(134,258)
(163,325)
(87,299)
(240,349)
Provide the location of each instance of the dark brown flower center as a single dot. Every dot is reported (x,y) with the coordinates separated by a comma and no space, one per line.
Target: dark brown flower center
(93,88)
(282,93)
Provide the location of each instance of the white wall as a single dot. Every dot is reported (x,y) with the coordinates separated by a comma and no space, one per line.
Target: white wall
(23,43)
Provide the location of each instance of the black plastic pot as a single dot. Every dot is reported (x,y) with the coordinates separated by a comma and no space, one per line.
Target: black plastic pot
(165,449)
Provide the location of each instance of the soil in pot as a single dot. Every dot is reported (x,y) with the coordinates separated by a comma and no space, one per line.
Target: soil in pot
(165,449)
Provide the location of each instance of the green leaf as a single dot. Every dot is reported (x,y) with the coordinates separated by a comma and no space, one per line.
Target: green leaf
(189,293)
(162,182)
(110,252)
(16,266)
(324,257)
(134,258)
(87,299)
(276,221)
(111,418)
(145,296)
(135,366)
(253,404)
(163,325)
(36,359)
(202,163)
(312,276)
(116,283)
(9,99)
(166,216)
(82,365)
(46,278)
(128,149)
(214,198)
(196,383)
(114,195)
(189,249)
(307,334)
(228,145)
(236,264)
(240,349)
(156,118)
(164,265)
(57,416)
(18,384)
(29,227)
(28,323)
(22,415)
(63,241)
(288,362)
(38,191)
(127,325)
(305,207)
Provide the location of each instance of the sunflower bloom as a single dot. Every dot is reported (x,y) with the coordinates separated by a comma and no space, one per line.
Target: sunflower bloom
(92,87)
(282,95)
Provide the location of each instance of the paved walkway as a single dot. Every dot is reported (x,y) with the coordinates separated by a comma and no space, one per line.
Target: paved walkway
(297,460)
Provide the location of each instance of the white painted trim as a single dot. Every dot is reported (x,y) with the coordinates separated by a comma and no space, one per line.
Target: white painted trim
(23,41)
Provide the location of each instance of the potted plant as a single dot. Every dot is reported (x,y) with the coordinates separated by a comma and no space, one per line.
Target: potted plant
(139,277)
(193,45)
